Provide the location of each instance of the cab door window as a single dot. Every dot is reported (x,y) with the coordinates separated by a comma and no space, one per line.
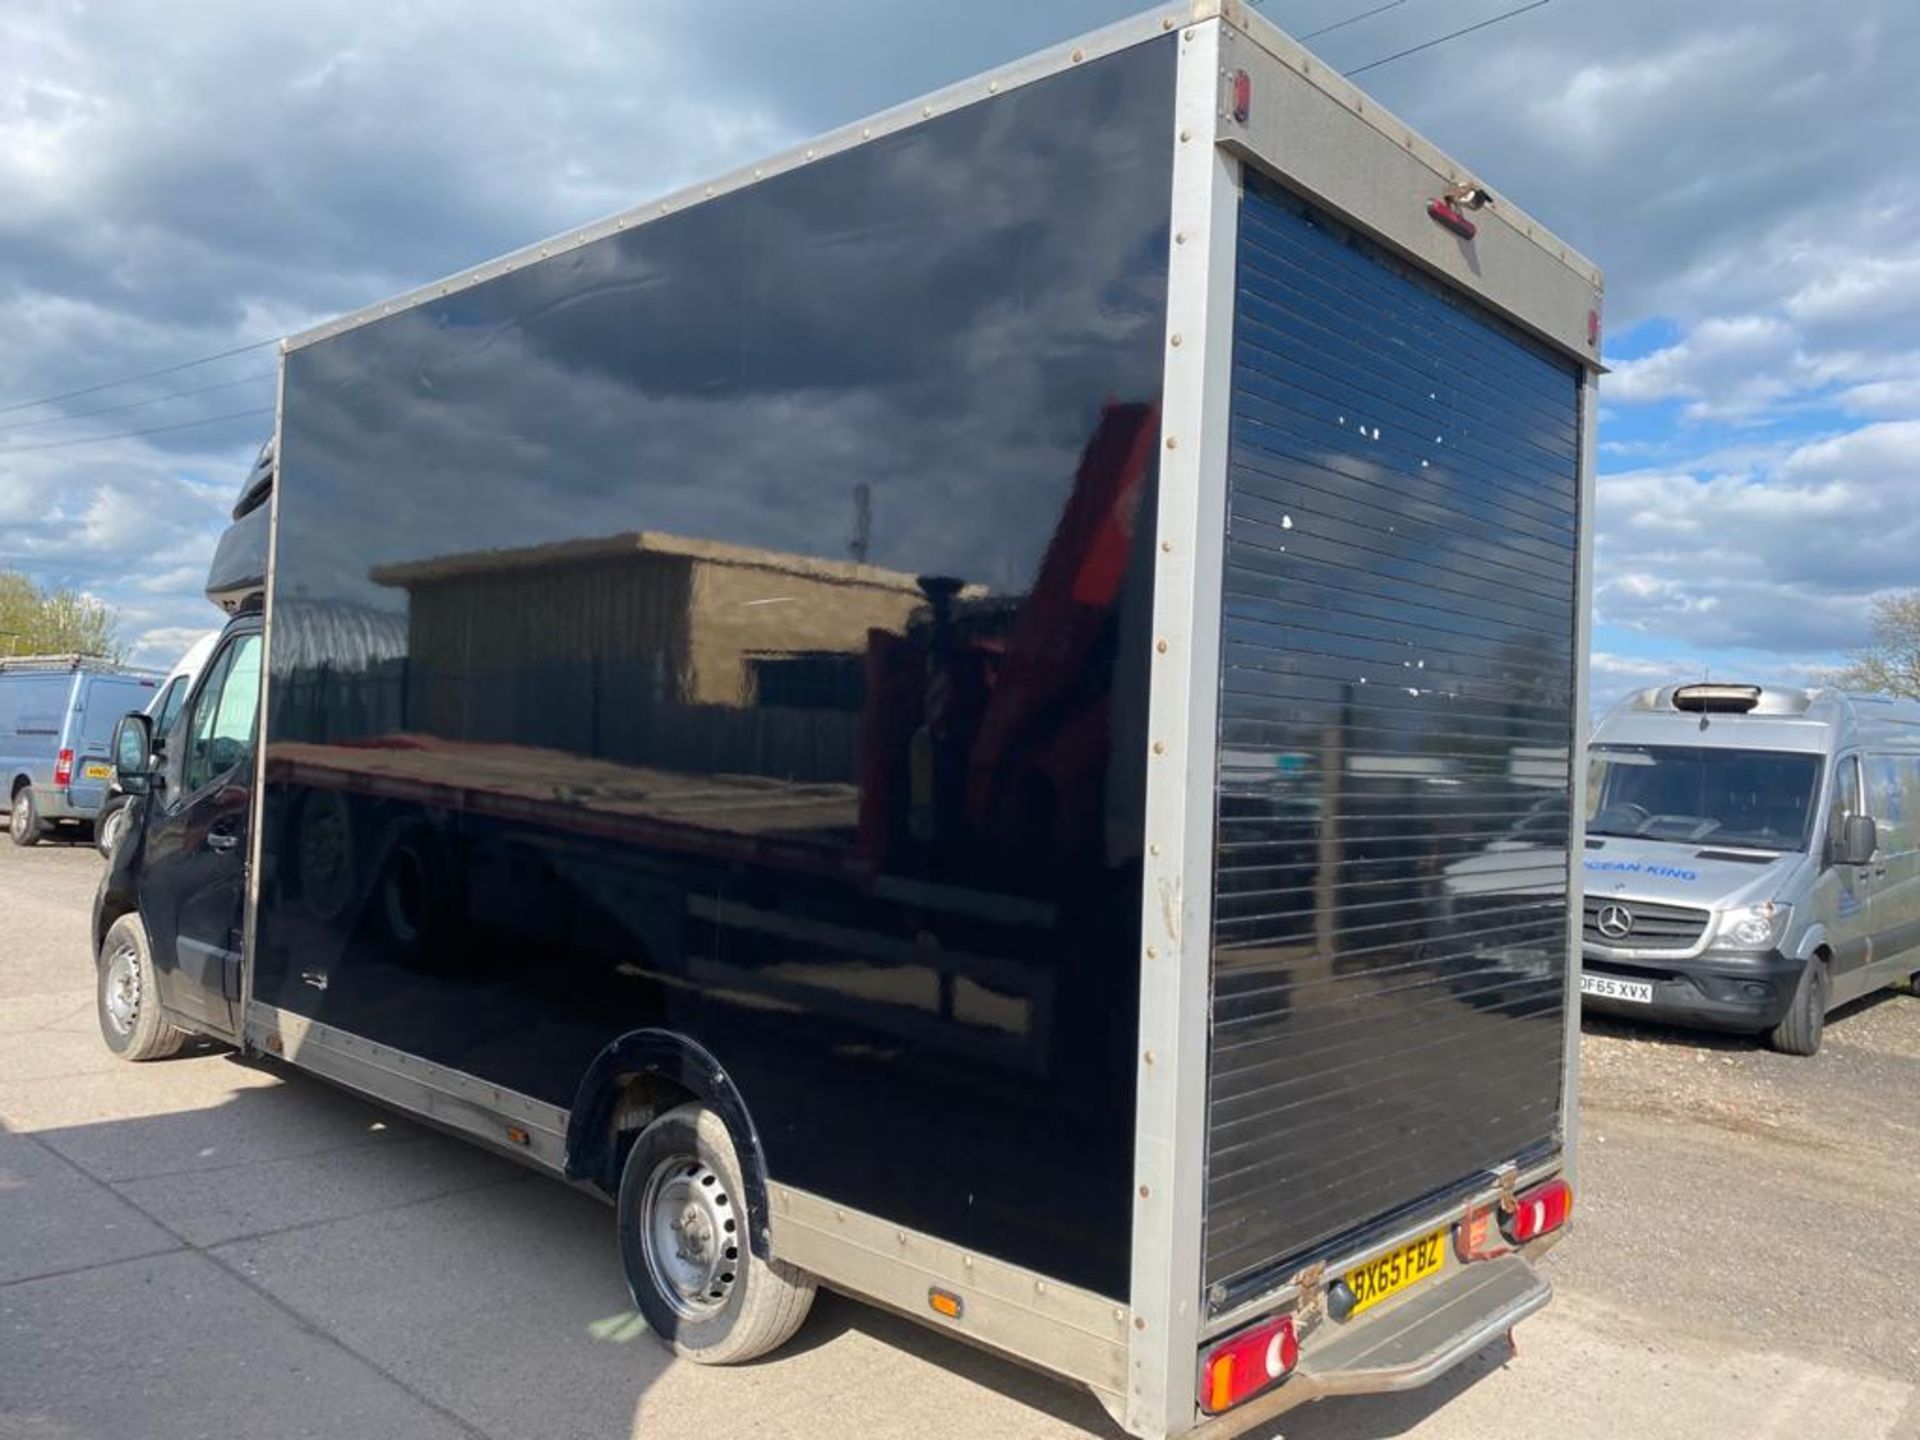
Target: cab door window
(220,730)
(1845,802)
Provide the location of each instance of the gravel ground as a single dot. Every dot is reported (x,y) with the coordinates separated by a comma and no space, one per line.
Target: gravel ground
(209,1246)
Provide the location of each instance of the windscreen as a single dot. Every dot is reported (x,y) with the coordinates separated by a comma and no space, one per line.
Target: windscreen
(1756,799)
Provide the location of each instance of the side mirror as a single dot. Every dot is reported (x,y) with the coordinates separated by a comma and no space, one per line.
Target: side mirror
(1856,841)
(133,753)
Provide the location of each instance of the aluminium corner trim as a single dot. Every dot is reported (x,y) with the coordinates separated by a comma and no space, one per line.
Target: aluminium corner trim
(1577,765)
(1182,716)
(256,804)
(1038,66)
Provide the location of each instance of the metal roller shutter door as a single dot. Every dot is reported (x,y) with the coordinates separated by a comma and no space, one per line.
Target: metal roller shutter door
(1396,712)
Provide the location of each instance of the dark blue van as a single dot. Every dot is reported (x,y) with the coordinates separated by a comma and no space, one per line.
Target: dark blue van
(57,714)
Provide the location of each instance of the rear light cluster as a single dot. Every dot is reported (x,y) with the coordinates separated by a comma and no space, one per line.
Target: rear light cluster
(63,768)
(1539,1211)
(1487,1234)
(1242,1367)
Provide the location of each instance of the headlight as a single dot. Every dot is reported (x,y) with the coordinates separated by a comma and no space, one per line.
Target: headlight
(1752,927)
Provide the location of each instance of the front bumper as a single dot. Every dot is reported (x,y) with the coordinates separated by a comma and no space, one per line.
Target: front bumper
(1719,990)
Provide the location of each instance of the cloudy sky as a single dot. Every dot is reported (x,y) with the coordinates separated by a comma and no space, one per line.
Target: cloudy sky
(182,180)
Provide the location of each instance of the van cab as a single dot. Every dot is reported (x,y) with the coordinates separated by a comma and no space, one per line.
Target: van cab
(1752,857)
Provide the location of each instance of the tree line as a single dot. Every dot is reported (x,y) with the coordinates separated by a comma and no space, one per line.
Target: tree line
(34,621)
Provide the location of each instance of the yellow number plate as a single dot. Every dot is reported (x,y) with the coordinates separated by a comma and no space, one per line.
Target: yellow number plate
(1391,1273)
(99,772)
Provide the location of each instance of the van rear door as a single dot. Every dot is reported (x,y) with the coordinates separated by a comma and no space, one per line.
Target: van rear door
(99,702)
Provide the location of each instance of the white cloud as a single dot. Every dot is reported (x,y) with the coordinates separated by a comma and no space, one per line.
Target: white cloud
(1779,551)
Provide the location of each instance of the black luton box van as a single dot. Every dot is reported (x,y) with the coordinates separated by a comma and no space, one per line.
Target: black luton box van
(906,716)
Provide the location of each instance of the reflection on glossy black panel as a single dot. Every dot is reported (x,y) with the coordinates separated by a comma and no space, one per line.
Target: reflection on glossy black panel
(738,625)
(1396,708)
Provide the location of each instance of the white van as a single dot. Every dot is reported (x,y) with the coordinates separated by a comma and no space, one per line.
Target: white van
(1752,856)
(165,706)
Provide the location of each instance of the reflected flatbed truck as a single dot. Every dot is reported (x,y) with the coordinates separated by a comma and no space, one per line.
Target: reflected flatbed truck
(904,716)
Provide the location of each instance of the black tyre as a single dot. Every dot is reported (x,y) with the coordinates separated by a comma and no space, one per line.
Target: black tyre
(111,825)
(683,1242)
(1800,1029)
(24,822)
(127,1002)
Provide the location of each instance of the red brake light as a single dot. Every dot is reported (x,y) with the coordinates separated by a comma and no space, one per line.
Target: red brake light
(1539,1211)
(1242,96)
(1445,215)
(62,767)
(1247,1364)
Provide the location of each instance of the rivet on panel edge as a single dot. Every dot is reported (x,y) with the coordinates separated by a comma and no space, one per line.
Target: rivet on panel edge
(1179,237)
(1166,22)
(1077,57)
(1174,341)
(1185,136)
(1147,1058)
(1159,747)
(1161,646)
(1139,1322)
(1152,953)
(1145,1193)
(993,87)
(1173,442)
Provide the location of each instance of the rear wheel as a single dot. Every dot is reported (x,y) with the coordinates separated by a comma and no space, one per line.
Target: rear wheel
(128,1003)
(1800,1029)
(683,1242)
(24,822)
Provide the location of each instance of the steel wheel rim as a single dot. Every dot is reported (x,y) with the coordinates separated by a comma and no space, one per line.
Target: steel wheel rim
(123,990)
(114,823)
(689,1236)
(20,812)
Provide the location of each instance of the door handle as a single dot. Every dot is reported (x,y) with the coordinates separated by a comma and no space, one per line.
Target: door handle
(221,840)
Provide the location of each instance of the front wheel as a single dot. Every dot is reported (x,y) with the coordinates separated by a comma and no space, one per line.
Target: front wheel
(683,1242)
(127,1001)
(24,823)
(108,829)
(1800,1029)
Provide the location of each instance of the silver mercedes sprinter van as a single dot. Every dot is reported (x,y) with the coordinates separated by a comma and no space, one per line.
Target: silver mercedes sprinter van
(1752,856)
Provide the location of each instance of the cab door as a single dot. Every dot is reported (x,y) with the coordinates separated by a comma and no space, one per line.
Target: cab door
(1896,869)
(1845,894)
(193,882)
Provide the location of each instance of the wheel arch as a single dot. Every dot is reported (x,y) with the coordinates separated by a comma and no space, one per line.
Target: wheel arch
(646,1073)
(1815,946)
